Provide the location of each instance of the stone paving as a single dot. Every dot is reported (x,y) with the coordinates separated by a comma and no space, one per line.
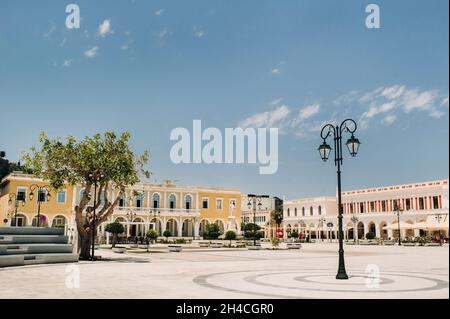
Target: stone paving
(375,272)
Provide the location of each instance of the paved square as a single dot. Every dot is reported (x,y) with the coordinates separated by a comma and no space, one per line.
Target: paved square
(375,272)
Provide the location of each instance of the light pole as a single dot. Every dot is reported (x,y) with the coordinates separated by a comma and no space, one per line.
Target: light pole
(256,200)
(44,195)
(354,220)
(95,179)
(439,218)
(16,198)
(353,144)
(398,211)
(321,222)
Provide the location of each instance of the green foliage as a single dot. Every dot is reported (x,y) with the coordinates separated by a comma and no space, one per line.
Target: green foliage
(294,234)
(60,226)
(73,161)
(230,235)
(115,228)
(275,241)
(370,236)
(252,231)
(212,231)
(152,234)
(277,216)
(167,233)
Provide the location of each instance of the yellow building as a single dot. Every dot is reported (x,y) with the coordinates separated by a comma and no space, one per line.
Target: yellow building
(221,206)
(184,210)
(19,194)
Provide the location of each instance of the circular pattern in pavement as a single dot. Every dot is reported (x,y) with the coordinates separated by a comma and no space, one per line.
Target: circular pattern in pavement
(322,283)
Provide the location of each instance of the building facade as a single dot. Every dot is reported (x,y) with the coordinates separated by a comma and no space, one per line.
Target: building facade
(183,210)
(262,216)
(370,210)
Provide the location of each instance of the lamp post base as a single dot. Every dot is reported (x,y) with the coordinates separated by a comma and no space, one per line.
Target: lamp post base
(342,276)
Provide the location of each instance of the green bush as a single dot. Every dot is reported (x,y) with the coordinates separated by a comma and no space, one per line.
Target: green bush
(275,241)
(230,235)
(167,233)
(294,234)
(59,226)
(212,232)
(370,236)
(152,235)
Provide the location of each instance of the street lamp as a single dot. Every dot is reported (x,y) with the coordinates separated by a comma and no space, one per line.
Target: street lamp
(353,143)
(17,198)
(439,218)
(354,220)
(94,179)
(321,222)
(398,211)
(253,203)
(43,195)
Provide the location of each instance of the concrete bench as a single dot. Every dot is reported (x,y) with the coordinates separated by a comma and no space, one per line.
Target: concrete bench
(409,244)
(175,248)
(240,244)
(204,244)
(216,245)
(119,250)
(432,245)
(294,245)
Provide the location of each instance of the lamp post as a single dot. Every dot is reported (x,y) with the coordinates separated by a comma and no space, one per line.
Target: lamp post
(256,201)
(439,218)
(17,198)
(321,222)
(398,211)
(353,144)
(43,196)
(354,220)
(94,179)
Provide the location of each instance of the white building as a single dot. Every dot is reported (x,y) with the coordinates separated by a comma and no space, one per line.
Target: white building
(369,210)
(265,204)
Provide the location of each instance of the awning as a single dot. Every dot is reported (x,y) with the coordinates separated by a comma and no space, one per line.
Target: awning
(402,225)
(434,223)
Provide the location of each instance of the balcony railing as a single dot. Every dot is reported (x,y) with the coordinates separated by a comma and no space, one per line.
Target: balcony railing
(146,211)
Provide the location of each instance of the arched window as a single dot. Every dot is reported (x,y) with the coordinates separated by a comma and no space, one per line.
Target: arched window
(59,221)
(172,201)
(139,200)
(311,211)
(188,202)
(320,210)
(303,211)
(81,195)
(155,199)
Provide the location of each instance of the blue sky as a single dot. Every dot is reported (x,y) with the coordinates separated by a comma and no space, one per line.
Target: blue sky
(159,65)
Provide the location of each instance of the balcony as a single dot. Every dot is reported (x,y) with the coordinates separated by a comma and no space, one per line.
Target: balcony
(163,212)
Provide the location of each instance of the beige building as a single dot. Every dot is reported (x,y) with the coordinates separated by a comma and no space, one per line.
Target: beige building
(371,210)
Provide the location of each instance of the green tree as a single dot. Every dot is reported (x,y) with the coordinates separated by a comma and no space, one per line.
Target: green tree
(115,229)
(152,235)
(230,235)
(252,231)
(277,216)
(294,234)
(167,233)
(105,160)
(212,231)
(370,236)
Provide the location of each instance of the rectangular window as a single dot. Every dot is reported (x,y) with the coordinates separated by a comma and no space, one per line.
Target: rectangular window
(383,206)
(372,206)
(205,203)
(421,203)
(436,202)
(361,207)
(21,193)
(408,204)
(61,197)
(219,204)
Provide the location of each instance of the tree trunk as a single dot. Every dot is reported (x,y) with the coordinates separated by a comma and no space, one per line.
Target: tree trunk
(85,246)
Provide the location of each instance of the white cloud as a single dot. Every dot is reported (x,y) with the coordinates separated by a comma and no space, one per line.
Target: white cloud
(398,98)
(275,71)
(163,33)
(305,113)
(445,102)
(50,31)
(276,101)
(389,119)
(159,12)
(63,42)
(92,52)
(273,118)
(198,32)
(67,63)
(105,28)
